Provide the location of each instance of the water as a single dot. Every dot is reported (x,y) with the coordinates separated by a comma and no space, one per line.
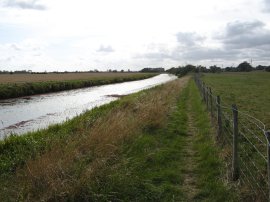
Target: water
(22,115)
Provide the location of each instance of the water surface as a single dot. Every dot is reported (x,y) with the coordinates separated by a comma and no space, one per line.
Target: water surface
(31,113)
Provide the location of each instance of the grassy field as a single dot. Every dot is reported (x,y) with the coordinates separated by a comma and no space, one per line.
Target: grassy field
(155,145)
(17,85)
(250,91)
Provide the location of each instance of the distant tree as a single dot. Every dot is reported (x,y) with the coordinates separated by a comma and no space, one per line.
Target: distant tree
(230,69)
(122,70)
(267,69)
(215,69)
(202,69)
(227,69)
(244,67)
(148,69)
(5,72)
(172,70)
(181,71)
(260,67)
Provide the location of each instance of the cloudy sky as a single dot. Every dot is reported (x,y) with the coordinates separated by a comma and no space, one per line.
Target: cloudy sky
(59,35)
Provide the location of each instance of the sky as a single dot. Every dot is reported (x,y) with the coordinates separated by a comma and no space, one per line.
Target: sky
(70,35)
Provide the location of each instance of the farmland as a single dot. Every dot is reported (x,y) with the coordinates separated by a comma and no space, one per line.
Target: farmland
(249,91)
(26,78)
(17,85)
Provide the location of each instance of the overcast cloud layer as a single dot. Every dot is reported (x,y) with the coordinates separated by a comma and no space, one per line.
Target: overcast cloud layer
(125,34)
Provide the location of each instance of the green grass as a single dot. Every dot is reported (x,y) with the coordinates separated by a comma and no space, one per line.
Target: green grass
(147,164)
(210,168)
(249,91)
(13,90)
(150,167)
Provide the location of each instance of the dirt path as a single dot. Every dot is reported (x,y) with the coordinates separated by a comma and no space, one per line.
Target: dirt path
(189,173)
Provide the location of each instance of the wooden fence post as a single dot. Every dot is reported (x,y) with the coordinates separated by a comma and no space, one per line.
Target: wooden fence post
(211,102)
(204,97)
(219,118)
(202,90)
(267,134)
(235,163)
(201,84)
(207,96)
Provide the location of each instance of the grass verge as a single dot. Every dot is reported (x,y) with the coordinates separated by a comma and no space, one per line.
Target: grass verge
(210,166)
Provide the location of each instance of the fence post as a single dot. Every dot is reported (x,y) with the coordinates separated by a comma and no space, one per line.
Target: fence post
(235,163)
(201,85)
(203,90)
(267,134)
(204,96)
(219,118)
(211,102)
(207,98)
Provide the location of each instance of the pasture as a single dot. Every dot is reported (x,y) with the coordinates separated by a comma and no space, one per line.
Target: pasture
(242,132)
(248,90)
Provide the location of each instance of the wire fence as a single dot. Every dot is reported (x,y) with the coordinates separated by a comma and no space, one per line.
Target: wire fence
(245,140)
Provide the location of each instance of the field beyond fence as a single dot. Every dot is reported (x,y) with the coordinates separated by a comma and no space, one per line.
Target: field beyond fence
(245,140)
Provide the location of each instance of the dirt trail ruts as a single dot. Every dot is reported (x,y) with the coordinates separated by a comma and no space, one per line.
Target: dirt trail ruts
(189,174)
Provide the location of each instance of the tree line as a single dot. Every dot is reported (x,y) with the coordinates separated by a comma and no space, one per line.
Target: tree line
(242,67)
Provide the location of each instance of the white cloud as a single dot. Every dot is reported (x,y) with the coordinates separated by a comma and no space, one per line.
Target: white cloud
(189,38)
(106,49)
(25,4)
(15,47)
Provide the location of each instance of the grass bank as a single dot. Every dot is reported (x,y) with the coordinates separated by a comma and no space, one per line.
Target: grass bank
(210,167)
(129,150)
(18,87)
(249,90)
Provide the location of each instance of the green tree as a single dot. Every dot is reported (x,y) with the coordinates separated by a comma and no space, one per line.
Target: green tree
(244,67)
